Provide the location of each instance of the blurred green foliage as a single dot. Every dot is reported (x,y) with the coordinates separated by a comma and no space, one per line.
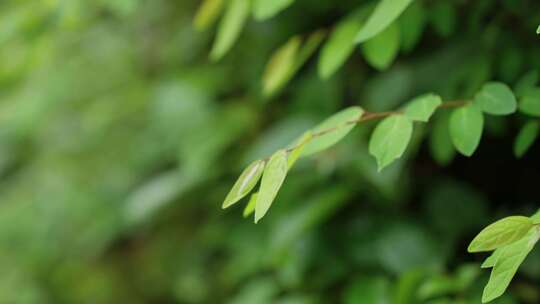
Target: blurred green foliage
(119,140)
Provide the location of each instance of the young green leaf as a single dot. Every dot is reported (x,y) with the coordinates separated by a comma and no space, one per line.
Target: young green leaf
(385,13)
(538,30)
(422,107)
(526,137)
(411,25)
(245,183)
(536,217)
(466,126)
(526,82)
(440,143)
(298,148)
(530,102)
(281,66)
(390,139)
(507,264)
(341,43)
(492,259)
(250,207)
(333,129)
(207,14)
(309,47)
(230,27)
(381,50)
(272,179)
(265,9)
(501,233)
(496,98)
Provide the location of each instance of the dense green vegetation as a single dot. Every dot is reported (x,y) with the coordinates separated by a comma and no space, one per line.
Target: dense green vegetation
(387,136)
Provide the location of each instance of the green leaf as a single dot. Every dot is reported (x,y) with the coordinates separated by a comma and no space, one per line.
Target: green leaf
(538,30)
(507,264)
(385,13)
(281,66)
(250,207)
(309,47)
(333,129)
(272,179)
(208,13)
(526,137)
(298,147)
(368,290)
(443,16)
(492,259)
(390,139)
(230,27)
(530,102)
(245,183)
(422,107)
(441,146)
(501,233)
(536,217)
(466,126)
(496,98)
(411,25)
(341,44)
(526,82)
(381,50)
(265,9)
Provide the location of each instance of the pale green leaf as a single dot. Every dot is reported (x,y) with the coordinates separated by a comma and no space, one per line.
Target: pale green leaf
(281,66)
(385,13)
(298,148)
(236,15)
(507,264)
(264,9)
(390,139)
(526,82)
(441,146)
(526,137)
(422,107)
(466,126)
(245,183)
(309,47)
(496,98)
(492,259)
(250,207)
(381,50)
(272,179)
(530,102)
(208,13)
(411,25)
(538,30)
(333,129)
(341,43)
(501,233)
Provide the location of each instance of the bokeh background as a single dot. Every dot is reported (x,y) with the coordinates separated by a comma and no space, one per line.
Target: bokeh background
(119,139)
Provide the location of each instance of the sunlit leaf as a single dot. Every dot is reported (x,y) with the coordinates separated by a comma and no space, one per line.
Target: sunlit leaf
(230,27)
(272,179)
(385,13)
(390,139)
(530,102)
(250,207)
(526,137)
(333,129)
(492,259)
(208,13)
(281,66)
(381,50)
(507,264)
(496,98)
(422,107)
(245,183)
(298,147)
(466,126)
(265,9)
(501,233)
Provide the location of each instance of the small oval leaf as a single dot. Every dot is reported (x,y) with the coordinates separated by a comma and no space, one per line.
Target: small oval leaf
(230,27)
(385,13)
(466,126)
(207,14)
(496,98)
(530,102)
(333,129)
(390,139)
(272,179)
(265,9)
(250,207)
(381,50)
(422,107)
(245,183)
(526,137)
(501,233)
